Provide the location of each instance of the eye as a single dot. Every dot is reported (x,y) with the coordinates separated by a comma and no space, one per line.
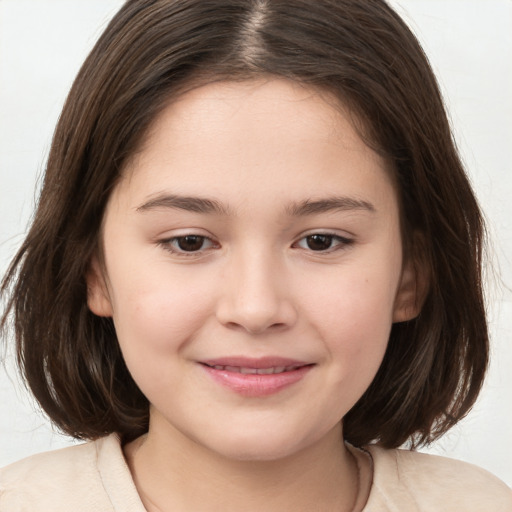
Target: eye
(187,244)
(323,242)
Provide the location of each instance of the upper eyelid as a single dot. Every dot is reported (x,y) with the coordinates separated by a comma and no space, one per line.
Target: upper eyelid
(166,243)
(172,235)
(343,242)
(341,238)
(328,232)
(346,237)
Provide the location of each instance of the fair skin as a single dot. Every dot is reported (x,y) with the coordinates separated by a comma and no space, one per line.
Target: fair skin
(293,262)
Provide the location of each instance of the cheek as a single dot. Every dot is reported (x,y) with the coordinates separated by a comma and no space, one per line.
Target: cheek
(355,303)
(157,311)
(354,316)
(154,325)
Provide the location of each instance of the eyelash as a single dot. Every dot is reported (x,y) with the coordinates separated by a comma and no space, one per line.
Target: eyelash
(342,242)
(172,244)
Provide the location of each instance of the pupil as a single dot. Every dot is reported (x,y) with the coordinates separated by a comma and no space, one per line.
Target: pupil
(319,242)
(190,243)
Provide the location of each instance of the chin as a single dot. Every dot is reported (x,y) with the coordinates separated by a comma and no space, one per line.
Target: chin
(262,452)
(262,446)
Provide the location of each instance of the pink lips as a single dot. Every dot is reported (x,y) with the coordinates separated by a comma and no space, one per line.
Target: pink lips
(256,377)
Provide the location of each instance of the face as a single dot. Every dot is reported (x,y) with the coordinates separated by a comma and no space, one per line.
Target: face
(253,268)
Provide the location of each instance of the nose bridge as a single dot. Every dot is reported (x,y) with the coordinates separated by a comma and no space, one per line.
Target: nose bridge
(255,295)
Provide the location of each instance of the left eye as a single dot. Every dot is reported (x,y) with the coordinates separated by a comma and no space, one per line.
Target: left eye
(189,243)
(320,242)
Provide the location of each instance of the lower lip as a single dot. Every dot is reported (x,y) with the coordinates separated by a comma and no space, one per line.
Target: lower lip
(257,384)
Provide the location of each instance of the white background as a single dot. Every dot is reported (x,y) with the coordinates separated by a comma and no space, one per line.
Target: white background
(469,42)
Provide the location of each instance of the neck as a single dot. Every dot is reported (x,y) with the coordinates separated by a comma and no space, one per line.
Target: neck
(172,472)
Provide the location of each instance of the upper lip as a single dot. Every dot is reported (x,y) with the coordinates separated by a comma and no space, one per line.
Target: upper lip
(257,363)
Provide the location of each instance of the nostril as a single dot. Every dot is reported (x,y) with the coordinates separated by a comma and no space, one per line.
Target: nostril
(256,329)
(255,309)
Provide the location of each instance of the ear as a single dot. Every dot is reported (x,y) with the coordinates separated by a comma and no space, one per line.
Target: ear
(412,291)
(98,298)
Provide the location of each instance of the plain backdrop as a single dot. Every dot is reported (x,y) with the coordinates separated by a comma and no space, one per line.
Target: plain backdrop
(469,43)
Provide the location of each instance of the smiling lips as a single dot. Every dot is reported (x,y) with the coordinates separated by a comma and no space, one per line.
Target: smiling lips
(256,377)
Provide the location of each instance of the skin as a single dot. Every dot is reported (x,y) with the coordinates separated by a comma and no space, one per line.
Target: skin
(261,151)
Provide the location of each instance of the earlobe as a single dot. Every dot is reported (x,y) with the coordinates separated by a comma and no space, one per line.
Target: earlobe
(411,293)
(98,298)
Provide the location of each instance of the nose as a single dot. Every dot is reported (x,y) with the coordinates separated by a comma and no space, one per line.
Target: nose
(255,296)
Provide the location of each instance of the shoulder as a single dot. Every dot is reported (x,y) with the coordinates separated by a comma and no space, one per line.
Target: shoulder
(432,483)
(75,478)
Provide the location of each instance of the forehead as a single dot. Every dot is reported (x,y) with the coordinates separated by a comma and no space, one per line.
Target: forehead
(263,101)
(265,132)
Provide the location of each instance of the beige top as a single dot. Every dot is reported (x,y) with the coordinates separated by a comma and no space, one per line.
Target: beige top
(94,477)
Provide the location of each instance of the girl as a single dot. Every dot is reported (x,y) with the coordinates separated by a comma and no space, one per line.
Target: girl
(254,270)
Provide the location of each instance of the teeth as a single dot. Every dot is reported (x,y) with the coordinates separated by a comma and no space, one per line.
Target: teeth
(266,371)
(248,371)
(255,371)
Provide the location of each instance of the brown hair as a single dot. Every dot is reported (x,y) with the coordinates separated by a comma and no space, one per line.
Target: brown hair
(363,53)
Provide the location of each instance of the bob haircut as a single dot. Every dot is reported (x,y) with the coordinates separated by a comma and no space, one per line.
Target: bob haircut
(152,51)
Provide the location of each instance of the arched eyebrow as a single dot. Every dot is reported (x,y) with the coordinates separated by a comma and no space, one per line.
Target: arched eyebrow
(190,204)
(312,207)
(295,209)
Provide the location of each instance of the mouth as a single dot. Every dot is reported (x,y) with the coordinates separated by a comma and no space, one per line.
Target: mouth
(256,377)
(245,370)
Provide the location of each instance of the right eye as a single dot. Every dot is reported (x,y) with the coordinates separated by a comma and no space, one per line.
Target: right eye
(187,244)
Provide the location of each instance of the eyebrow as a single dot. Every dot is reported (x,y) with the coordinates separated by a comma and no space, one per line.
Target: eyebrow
(190,204)
(312,207)
(211,206)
